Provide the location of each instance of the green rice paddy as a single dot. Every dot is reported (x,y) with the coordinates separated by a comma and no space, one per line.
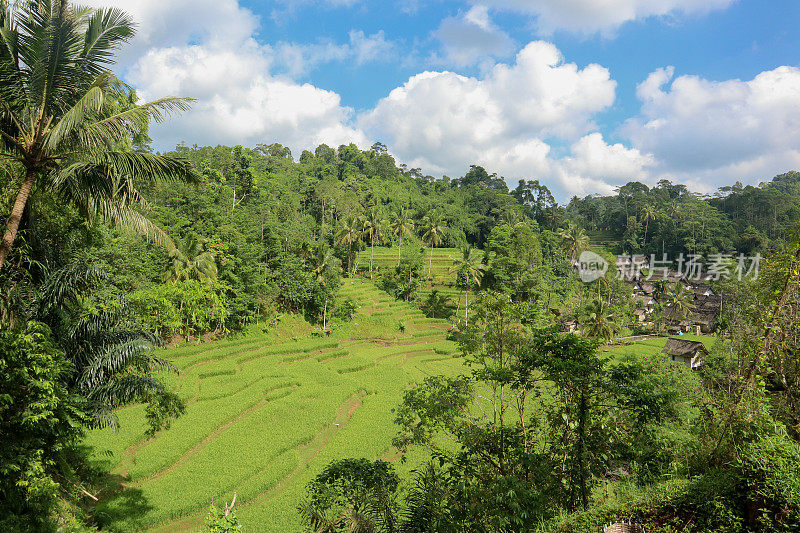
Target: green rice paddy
(268,410)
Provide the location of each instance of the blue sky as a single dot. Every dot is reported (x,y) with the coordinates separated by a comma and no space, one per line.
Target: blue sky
(699,91)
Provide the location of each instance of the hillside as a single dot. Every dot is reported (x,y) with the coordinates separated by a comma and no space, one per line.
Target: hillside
(267,411)
(441,278)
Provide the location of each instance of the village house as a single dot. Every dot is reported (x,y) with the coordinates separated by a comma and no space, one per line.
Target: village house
(688,353)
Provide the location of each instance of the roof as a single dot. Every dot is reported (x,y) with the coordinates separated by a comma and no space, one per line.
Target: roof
(683,347)
(708,304)
(673,313)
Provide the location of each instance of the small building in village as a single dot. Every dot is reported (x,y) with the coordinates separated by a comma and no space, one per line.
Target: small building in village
(688,353)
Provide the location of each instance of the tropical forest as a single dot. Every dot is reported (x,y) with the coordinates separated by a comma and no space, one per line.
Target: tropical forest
(237,336)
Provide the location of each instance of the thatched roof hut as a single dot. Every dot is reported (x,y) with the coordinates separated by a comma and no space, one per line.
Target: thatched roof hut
(689,353)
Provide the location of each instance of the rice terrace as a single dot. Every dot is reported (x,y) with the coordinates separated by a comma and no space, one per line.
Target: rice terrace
(356,266)
(275,408)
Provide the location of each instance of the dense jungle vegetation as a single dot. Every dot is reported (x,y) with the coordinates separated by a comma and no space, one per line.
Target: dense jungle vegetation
(113,251)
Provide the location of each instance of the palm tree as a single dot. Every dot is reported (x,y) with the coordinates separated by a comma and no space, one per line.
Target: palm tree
(680,298)
(649,212)
(600,323)
(373,229)
(112,365)
(432,233)
(469,270)
(320,261)
(512,218)
(401,224)
(191,261)
(660,289)
(349,233)
(574,239)
(63,122)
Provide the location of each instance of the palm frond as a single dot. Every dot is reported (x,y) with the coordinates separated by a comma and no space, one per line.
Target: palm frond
(88,106)
(127,217)
(67,283)
(109,131)
(145,165)
(106,31)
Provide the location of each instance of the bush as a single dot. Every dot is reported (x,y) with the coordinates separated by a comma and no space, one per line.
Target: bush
(185,308)
(36,426)
(352,495)
(346,309)
(436,306)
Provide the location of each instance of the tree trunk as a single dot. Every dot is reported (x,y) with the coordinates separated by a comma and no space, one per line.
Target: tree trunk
(350,259)
(399,248)
(466,307)
(430,262)
(325,315)
(16,215)
(371,255)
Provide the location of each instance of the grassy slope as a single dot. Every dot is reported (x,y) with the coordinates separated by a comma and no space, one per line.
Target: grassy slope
(442,279)
(266,412)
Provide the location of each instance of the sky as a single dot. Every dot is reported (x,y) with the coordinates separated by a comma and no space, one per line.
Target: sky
(583,95)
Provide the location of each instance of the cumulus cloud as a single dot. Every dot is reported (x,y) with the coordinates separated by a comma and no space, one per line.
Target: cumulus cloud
(471,37)
(709,133)
(206,49)
(160,24)
(239,102)
(593,16)
(443,121)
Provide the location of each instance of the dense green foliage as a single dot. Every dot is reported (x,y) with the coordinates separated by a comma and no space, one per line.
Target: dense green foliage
(336,286)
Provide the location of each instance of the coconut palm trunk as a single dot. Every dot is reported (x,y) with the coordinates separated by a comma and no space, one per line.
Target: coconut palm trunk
(399,248)
(466,307)
(430,262)
(371,255)
(12,226)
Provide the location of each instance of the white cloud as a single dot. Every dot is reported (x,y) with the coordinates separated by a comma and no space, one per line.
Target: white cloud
(367,48)
(472,37)
(603,16)
(206,49)
(442,121)
(239,102)
(709,133)
(221,23)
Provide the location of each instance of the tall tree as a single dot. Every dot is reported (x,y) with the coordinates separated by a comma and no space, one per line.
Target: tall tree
(649,213)
(320,262)
(574,239)
(401,224)
(373,229)
(469,271)
(349,233)
(432,233)
(60,126)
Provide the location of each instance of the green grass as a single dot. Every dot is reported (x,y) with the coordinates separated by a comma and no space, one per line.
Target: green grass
(441,278)
(267,411)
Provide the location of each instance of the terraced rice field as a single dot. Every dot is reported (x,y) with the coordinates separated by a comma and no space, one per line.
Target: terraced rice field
(442,279)
(266,412)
